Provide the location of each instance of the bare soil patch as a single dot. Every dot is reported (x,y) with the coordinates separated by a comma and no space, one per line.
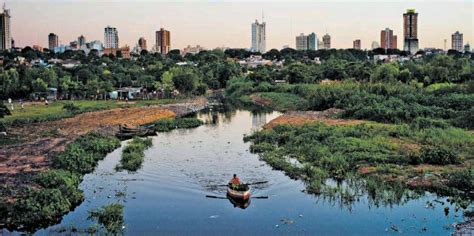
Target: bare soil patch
(303,117)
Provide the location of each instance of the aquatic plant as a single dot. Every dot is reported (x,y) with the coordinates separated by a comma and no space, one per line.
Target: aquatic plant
(110,217)
(165,125)
(133,154)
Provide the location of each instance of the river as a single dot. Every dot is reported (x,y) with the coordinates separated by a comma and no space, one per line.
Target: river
(168,194)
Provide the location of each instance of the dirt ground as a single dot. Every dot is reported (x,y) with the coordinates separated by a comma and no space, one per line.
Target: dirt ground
(42,140)
(302,117)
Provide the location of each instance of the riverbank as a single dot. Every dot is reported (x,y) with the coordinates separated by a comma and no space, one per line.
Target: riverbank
(39,142)
(315,146)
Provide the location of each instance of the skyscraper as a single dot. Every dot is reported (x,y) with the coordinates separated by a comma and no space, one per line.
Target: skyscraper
(467,48)
(410,31)
(142,43)
(111,37)
(53,41)
(258,37)
(5,30)
(81,40)
(387,39)
(356,44)
(327,41)
(163,41)
(456,41)
(312,42)
(302,42)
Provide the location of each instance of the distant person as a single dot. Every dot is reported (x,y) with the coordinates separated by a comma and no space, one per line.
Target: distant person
(46,102)
(235,181)
(22,105)
(11,104)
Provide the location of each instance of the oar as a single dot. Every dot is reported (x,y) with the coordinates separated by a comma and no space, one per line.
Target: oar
(225,185)
(261,182)
(261,197)
(212,196)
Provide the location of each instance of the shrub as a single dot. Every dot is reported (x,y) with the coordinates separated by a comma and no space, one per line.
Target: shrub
(463,180)
(71,107)
(439,155)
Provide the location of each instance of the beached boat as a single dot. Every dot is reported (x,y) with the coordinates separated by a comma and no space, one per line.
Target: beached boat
(239,192)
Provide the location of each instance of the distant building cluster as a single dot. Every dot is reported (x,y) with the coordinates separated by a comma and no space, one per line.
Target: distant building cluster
(306,42)
(111,45)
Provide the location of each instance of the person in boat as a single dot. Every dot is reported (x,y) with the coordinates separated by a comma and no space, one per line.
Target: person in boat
(235,181)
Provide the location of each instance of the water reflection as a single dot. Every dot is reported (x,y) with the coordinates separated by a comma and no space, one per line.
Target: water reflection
(242,204)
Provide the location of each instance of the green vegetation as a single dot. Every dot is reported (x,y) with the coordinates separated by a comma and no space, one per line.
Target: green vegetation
(166,125)
(57,192)
(82,155)
(284,101)
(133,154)
(110,217)
(366,152)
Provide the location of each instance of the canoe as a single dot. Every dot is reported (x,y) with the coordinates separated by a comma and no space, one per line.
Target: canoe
(241,192)
(129,135)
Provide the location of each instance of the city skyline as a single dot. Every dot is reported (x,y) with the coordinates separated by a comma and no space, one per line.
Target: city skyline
(343,21)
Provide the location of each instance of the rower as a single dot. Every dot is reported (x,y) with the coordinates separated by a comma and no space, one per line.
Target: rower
(235,181)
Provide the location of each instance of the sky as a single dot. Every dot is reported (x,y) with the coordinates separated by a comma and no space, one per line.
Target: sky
(218,23)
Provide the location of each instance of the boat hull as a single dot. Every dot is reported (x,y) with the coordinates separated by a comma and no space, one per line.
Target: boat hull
(238,195)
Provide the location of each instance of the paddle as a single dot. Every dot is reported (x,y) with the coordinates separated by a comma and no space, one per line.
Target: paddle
(224,185)
(217,197)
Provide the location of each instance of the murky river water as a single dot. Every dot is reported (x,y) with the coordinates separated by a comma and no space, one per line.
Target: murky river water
(168,194)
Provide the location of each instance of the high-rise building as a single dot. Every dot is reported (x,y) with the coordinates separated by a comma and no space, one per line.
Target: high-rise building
(258,37)
(312,41)
(327,41)
(374,45)
(163,41)
(387,39)
(356,44)
(111,37)
(5,29)
(467,48)
(53,41)
(456,41)
(302,42)
(81,40)
(320,44)
(142,43)
(410,31)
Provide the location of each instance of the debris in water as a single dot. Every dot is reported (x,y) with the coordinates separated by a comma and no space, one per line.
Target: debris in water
(213,216)
(424,229)
(277,226)
(301,215)
(109,196)
(394,228)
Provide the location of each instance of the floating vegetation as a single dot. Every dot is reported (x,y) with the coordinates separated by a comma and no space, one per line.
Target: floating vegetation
(110,217)
(133,154)
(166,125)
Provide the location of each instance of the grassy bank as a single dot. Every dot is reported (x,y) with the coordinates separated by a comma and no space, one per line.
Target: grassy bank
(133,154)
(110,217)
(38,112)
(434,159)
(56,191)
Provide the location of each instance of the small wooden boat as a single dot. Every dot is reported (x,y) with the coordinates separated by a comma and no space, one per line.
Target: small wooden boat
(240,192)
(129,135)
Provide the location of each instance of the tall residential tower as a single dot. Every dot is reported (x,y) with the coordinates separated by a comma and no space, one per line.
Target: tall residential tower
(410,31)
(387,39)
(53,41)
(457,42)
(111,37)
(5,30)
(163,41)
(258,37)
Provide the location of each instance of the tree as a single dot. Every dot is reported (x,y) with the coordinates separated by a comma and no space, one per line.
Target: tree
(166,83)
(385,72)
(3,111)
(39,85)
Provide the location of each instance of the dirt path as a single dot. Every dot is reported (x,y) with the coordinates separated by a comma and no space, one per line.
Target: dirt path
(44,139)
(302,117)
